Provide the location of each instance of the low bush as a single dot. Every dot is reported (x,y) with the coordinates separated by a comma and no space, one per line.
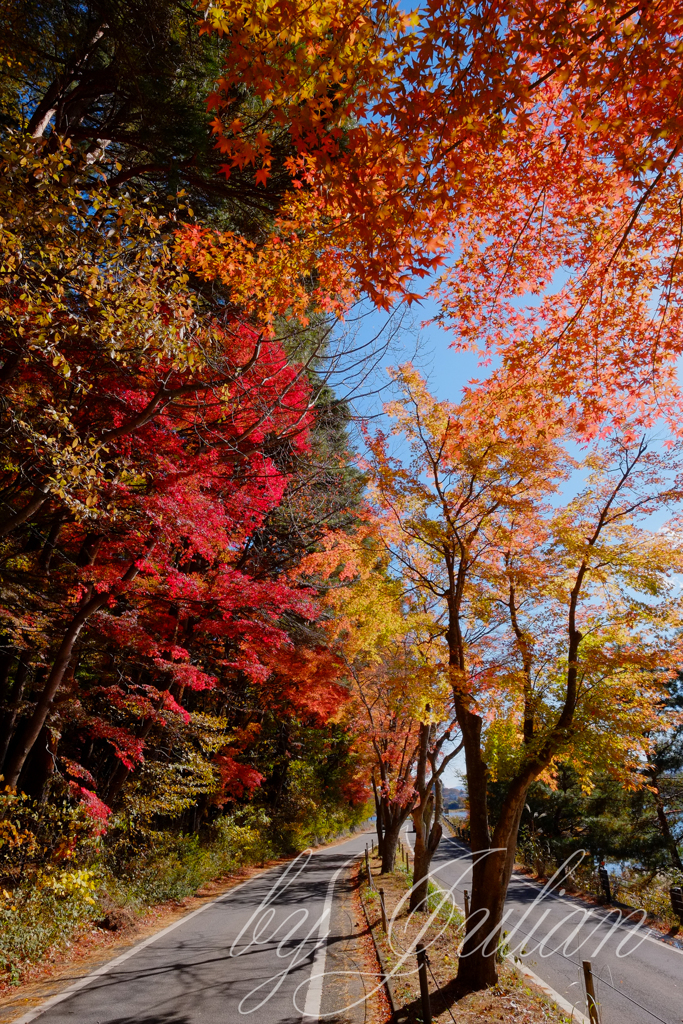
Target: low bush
(632,887)
(59,875)
(44,913)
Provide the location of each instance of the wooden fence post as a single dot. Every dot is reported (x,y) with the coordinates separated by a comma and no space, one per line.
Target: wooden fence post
(369,869)
(384,911)
(424,984)
(593,1012)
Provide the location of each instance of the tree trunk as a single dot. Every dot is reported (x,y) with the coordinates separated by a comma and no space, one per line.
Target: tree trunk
(48,551)
(492,865)
(379,818)
(5,666)
(421,864)
(40,766)
(392,831)
(56,92)
(37,720)
(10,714)
(667,834)
(39,497)
(428,832)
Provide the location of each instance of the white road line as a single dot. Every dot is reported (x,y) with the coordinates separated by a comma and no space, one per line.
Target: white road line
(105,968)
(314,994)
(602,914)
(555,997)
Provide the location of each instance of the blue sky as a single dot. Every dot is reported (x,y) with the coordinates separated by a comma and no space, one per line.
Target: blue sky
(447,372)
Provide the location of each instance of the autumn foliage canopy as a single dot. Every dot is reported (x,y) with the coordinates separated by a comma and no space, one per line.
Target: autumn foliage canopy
(202,601)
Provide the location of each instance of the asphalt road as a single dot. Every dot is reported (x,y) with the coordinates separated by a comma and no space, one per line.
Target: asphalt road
(252,956)
(257,953)
(639,976)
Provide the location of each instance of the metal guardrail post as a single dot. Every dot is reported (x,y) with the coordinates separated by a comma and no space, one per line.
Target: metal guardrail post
(424,986)
(593,1011)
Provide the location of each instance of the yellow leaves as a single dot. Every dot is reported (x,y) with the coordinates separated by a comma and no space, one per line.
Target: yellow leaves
(502,748)
(549,606)
(14,837)
(269,282)
(170,788)
(77,884)
(365,600)
(211,731)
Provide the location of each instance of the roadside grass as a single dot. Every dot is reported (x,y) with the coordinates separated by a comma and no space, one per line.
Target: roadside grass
(46,912)
(48,905)
(440,930)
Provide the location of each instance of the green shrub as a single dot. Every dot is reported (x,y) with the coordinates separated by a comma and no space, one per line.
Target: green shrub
(245,836)
(42,914)
(37,839)
(132,867)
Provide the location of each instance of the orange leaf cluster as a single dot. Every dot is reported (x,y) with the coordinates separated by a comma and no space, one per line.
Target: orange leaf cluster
(531,149)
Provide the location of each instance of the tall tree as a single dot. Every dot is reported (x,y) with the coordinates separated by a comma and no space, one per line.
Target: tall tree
(142,421)
(551,645)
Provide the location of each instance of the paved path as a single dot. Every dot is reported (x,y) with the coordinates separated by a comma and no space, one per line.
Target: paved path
(255,954)
(250,956)
(651,974)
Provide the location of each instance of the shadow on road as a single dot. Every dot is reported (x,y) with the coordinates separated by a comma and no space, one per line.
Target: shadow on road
(156,1018)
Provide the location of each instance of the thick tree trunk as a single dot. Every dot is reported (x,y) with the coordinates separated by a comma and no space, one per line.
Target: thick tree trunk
(492,860)
(392,831)
(37,720)
(55,94)
(421,864)
(40,766)
(492,865)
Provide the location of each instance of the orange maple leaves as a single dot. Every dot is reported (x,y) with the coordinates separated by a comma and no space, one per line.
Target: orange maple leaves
(531,149)
(557,615)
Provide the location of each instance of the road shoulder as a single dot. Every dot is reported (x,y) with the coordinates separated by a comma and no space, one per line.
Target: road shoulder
(352,992)
(96,951)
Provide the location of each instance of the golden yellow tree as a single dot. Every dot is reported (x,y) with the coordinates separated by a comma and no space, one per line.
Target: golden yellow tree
(558,614)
